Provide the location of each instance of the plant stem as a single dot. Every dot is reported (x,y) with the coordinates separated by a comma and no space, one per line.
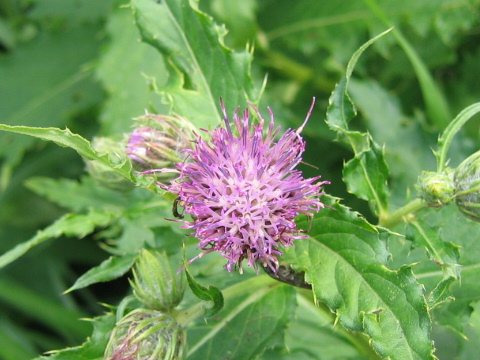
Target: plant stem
(447,136)
(401,215)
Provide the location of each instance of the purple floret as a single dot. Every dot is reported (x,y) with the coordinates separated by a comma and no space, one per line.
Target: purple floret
(243,191)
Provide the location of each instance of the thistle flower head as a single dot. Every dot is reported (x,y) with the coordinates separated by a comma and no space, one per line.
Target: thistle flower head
(243,191)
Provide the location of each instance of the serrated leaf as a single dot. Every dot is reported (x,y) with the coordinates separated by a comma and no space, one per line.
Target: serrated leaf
(110,269)
(68,225)
(249,323)
(444,254)
(66,138)
(456,229)
(346,266)
(212,294)
(93,348)
(366,174)
(201,68)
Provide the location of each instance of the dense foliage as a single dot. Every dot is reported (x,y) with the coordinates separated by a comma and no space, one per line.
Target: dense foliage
(391,264)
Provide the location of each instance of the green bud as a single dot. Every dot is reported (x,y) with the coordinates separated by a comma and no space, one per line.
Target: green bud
(147,334)
(436,189)
(467,183)
(155,284)
(101,172)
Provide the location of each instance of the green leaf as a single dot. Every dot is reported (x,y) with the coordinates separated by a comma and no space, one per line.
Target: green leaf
(39,89)
(93,348)
(212,294)
(77,196)
(110,269)
(201,68)
(407,146)
(445,254)
(345,263)
(66,138)
(249,323)
(456,229)
(469,348)
(311,334)
(366,174)
(68,225)
(123,70)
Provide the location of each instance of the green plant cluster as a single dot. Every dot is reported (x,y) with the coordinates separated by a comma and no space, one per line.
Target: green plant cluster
(392,276)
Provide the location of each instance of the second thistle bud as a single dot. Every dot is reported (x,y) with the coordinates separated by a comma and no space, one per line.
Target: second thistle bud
(436,189)
(155,283)
(158,141)
(147,334)
(467,183)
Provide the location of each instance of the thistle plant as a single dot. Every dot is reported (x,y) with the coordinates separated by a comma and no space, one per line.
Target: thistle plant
(244,192)
(383,263)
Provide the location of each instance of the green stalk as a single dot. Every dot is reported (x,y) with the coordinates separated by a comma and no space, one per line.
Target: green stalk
(446,139)
(401,215)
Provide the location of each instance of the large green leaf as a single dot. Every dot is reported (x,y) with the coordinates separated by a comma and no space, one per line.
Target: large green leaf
(248,324)
(344,260)
(201,68)
(70,225)
(125,69)
(366,174)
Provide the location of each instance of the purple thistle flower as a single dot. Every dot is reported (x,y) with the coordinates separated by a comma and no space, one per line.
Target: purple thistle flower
(243,191)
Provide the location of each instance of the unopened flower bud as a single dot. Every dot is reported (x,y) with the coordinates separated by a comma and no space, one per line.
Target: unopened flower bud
(147,335)
(467,184)
(155,283)
(158,141)
(436,189)
(105,175)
